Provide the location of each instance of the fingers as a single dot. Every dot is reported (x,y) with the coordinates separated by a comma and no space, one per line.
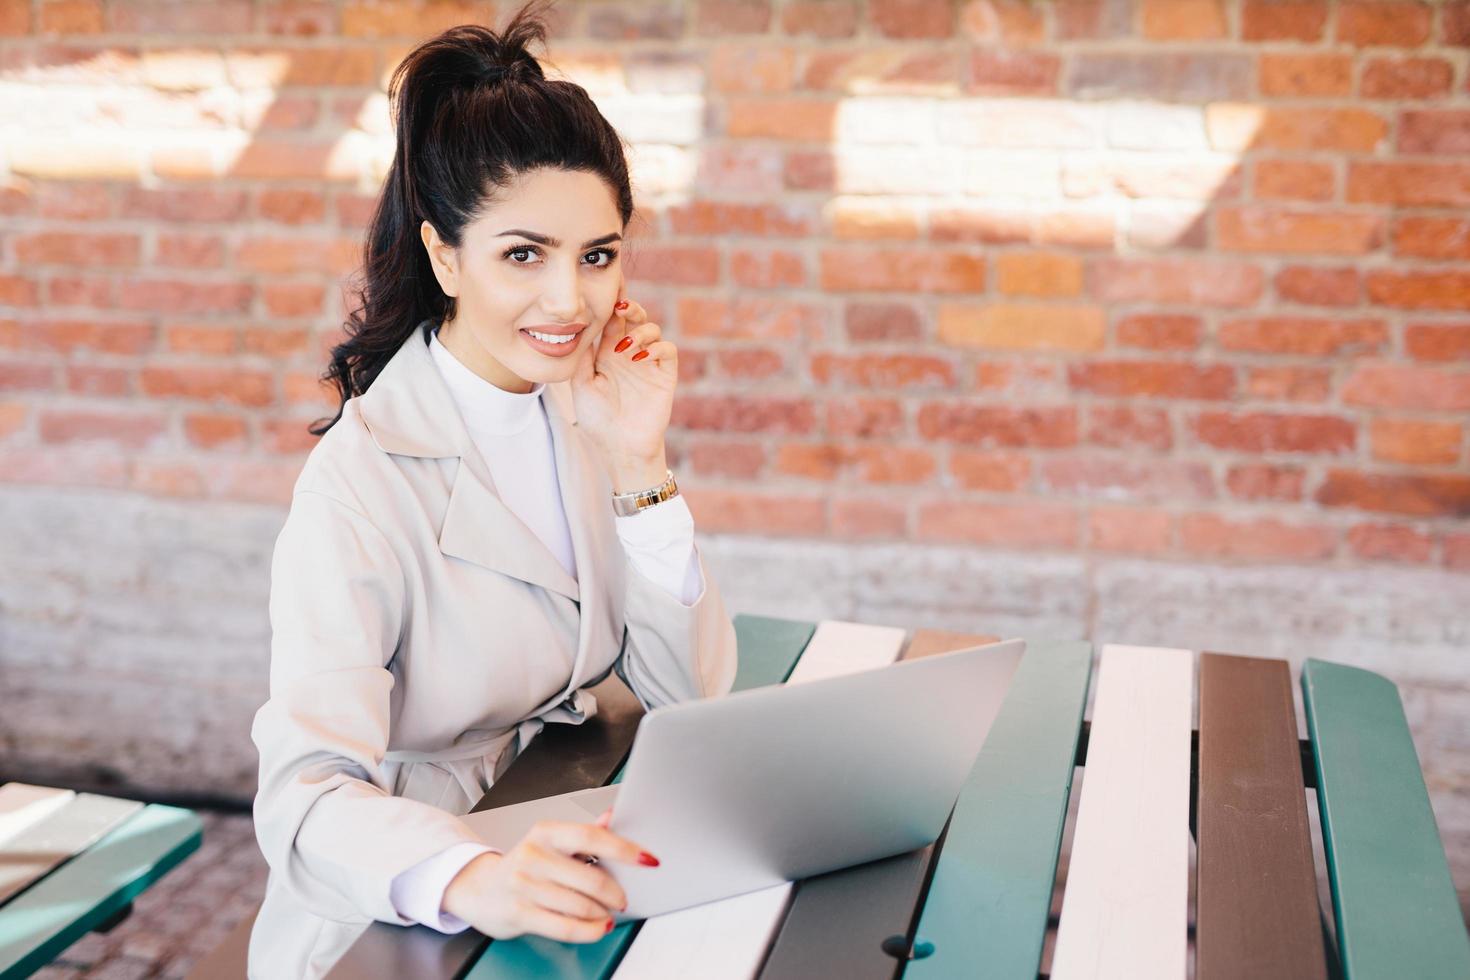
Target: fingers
(567,901)
(564,928)
(638,338)
(569,838)
(588,880)
(605,818)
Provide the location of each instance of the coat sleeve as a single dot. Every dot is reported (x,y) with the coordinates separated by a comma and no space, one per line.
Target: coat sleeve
(671,651)
(325,815)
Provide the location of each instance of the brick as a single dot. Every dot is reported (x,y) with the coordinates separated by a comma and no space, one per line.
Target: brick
(874,464)
(183,204)
(92,291)
(1159,331)
(1457,551)
(104,382)
(1294,180)
(748,319)
(1214,536)
(1153,379)
(1406,78)
(1038,274)
(1407,387)
(911,19)
(292,299)
(1408,183)
(819,18)
(864,418)
(767,268)
(1167,76)
(1269,229)
(723,457)
(82,466)
(857,269)
(1012,72)
(1431,237)
(290,206)
(1003,326)
(1283,20)
(1167,227)
(1183,282)
(867,322)
(841,70)
(1319,286)
(189,250)
(1420,290)
(708,217)
(172,18)
(1002,525)
(213,431)
(1269,432)
(748,512)
(752,68)
(69,336)
(1312,74)
(1184,20)
(1419,495)
(1389,542)
(1292,384)
(636,21)
(1265,481)
(1416,442)
(263,481)
(721,17)
(179,297)
(71,17)
(17,290)
(1306,336)
(1438,341)
(13,417)
(1093,19)
(1140,176)
(1129,530)
(1434,131)
(751,364)
(796,119)
(675,264)
(1383,23)
(201,339)
(1128,427)
(131,430)
(74,201)
(869,518)
(301,19)
(987,425)
(298,254)
(1122,477)
(905,371)
(1012,22)
(287,436)
(1236,127)
(78,248)
(209,384)
(867,218)
(997,471)
(734,413)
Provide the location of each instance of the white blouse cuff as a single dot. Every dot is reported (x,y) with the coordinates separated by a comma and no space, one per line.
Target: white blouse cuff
(418,893)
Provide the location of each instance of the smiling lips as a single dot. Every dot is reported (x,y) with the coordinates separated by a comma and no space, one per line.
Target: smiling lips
(552,343)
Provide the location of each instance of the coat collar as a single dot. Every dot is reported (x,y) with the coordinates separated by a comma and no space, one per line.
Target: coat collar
(409,411)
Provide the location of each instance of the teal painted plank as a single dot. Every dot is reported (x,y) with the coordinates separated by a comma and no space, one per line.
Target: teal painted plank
(78,896)
(1396,908)
(768,649)
(986,909)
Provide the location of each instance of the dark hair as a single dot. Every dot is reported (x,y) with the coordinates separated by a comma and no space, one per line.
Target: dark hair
(472,111)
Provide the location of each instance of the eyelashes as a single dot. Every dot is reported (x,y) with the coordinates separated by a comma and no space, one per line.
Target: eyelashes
(611,254)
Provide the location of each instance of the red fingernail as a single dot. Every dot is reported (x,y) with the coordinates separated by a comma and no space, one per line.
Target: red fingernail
(609,927)
(622,345)
(640,355)
(645,858)
(621,304)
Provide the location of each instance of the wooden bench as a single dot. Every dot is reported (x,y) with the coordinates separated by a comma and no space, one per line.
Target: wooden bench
(73,862)
(977,902)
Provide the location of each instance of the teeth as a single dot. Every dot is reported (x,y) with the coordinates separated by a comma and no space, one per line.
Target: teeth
(552,340)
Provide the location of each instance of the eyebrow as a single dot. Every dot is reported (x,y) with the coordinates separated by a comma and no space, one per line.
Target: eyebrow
(551,242)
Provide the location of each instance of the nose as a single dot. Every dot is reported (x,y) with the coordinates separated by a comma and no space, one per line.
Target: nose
(562,298)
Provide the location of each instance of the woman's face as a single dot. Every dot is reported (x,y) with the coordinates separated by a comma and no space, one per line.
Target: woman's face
(543,257)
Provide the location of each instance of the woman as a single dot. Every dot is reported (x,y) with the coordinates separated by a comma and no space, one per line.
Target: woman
(455,567)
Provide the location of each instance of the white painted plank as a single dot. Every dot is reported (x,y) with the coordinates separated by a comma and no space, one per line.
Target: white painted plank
(727,940)
(73,828)
(1124,913)
(22,805)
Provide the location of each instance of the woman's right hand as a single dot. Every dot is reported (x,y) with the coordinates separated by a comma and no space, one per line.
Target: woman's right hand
(541,887)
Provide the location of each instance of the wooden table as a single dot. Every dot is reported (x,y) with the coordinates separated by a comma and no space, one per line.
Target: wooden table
(976,903)
(73,862)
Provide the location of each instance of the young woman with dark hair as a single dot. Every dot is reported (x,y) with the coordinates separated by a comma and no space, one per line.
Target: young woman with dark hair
(487,527)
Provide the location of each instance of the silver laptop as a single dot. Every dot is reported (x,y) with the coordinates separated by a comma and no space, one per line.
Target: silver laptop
(778,783)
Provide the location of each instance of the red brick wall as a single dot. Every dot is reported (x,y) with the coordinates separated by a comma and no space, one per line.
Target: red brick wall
(1177,278)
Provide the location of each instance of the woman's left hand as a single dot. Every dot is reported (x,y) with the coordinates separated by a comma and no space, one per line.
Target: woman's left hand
(623,398)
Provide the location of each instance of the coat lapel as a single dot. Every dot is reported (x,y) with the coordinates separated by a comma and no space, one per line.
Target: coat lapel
(409,412)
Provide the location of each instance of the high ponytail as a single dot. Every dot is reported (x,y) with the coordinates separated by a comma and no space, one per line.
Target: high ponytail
(472,111)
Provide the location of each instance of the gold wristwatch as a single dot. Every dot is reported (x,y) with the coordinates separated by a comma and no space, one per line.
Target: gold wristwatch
(636,500)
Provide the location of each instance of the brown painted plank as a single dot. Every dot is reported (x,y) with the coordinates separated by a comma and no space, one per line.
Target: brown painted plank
(838,922)
(1257,900)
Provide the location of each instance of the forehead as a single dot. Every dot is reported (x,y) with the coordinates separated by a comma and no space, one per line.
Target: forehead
(570,205)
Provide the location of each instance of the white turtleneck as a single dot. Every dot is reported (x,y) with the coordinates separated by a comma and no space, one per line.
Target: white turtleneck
(513,435)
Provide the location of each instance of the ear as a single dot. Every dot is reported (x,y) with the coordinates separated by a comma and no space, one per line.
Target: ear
(442,258)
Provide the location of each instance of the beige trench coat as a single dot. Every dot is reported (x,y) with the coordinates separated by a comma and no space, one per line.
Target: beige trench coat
(421,635)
